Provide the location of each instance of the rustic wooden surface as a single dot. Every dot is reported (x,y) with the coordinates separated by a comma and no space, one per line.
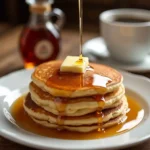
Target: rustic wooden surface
(9,53)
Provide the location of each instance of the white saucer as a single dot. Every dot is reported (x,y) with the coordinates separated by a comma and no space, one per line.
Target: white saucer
(97,52)
(14,85)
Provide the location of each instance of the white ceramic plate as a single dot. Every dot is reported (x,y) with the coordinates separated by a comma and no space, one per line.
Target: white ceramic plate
(97,52)
(15,84)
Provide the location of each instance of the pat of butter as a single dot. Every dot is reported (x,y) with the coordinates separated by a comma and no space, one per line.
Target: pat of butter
(70,65)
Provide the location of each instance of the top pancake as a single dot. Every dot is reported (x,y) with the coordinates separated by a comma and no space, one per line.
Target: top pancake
(100,81)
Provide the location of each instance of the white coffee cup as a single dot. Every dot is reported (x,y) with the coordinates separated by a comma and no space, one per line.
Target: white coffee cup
(127,42)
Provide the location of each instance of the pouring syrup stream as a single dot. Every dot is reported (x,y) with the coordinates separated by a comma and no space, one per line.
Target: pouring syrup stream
(81,26)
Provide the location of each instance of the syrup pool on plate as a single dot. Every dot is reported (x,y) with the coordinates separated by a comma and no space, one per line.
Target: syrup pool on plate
(134,117)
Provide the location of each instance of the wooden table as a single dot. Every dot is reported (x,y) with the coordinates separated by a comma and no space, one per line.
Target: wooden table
(9,53)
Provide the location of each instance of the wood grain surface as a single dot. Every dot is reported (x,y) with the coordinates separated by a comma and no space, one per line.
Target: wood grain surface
(9,53)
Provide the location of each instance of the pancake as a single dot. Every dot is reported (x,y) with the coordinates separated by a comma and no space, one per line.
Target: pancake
(75,101)
(34,111)
(101,81)
(83,128)
(74,106)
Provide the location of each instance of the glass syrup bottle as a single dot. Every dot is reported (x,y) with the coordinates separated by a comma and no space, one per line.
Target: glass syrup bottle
(40,38)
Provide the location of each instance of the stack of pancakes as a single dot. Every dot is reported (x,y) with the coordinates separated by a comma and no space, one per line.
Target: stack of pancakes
(85,102)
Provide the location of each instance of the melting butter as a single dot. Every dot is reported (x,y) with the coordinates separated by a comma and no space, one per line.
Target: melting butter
(74,64)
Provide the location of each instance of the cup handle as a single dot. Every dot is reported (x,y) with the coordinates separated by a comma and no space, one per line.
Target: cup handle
(60,18)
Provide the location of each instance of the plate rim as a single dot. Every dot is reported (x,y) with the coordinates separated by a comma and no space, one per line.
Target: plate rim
(20,141)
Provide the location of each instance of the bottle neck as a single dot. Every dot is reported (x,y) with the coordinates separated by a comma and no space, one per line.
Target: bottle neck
(38,19)
(39,15)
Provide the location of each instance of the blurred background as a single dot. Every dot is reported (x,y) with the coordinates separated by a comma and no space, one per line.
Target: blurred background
(14,14)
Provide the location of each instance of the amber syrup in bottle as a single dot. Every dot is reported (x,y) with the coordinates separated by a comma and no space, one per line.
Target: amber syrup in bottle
(40,38)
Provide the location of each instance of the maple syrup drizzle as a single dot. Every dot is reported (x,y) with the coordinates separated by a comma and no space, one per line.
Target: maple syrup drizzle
(101,103)
(134,117)
(90,79)
(80,3)
(99,116)
(61,104)
(80,61)
(100,100)
(97,80)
